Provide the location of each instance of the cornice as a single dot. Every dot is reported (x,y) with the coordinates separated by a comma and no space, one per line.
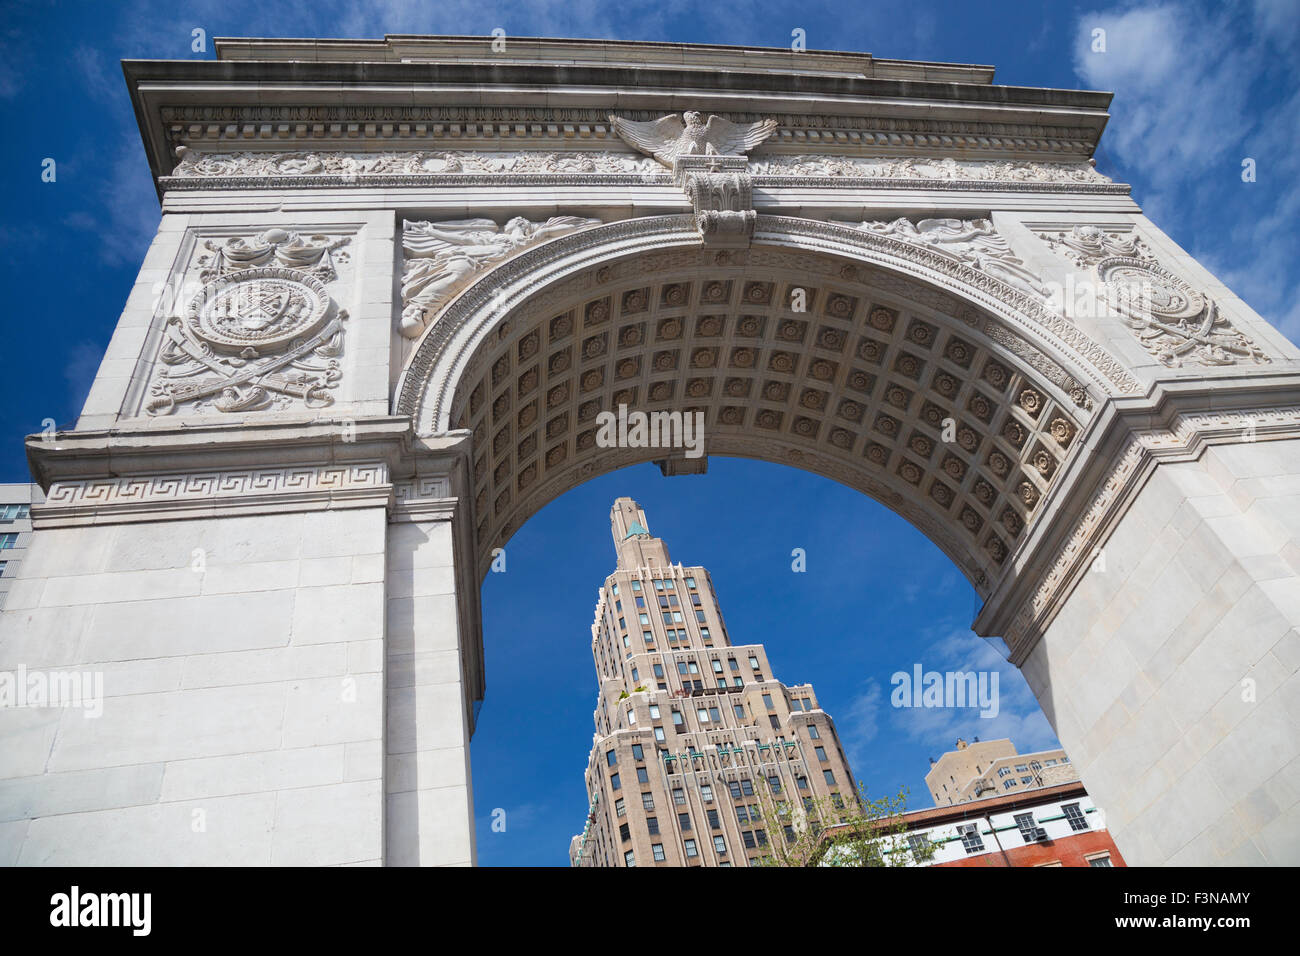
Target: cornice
(488,102)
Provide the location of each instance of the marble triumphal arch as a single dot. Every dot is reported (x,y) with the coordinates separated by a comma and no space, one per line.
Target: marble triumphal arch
(397,282)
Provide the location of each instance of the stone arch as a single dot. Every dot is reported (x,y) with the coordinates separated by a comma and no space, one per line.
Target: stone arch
(941,391)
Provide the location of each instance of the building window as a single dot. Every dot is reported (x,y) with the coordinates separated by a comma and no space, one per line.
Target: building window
(615,783)
(767,702)
(753,663)
(645,619)
(970,837)
(775,783)
(704,633)
(739,710)
(1075,817)
(619,809)
(918,843)
(648,801)
(691,852)
(1022,768)
(1004,771)
(679,796)
(1026,780)
(637,752)
(830,777)
(677,718)
(1099,860)
(714,822)
(611,758)
(8,540)
(747,786)
(642,775)
(3,565)
(748,837)
(742,814)
(654,708)
(629,859)
(717,666)
(813,732)
(703,714)
(636,585)
(1029,830)
(652,824)
(658,851)
(659,734)
(706,792)
(684,821)
(734,787)
(775,721)
(802,782)
(821,753)
(720,845)
(624,833)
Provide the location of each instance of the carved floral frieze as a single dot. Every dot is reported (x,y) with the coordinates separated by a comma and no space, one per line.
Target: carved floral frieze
(202,164)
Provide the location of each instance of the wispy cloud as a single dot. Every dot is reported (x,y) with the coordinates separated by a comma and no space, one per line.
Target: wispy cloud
(1197,92)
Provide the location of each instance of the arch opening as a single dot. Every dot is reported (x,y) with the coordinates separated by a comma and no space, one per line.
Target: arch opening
(889,385)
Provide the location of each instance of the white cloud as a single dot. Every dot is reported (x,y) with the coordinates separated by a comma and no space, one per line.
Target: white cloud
(1196,92)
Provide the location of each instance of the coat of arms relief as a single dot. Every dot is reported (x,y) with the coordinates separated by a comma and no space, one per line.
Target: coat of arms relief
(1177,324)
(262,332)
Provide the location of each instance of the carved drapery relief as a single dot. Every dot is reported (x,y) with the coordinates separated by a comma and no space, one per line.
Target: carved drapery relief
(1175,323)
(262,333)
(313,255)
(972,242)
(441,258)
(1087,245)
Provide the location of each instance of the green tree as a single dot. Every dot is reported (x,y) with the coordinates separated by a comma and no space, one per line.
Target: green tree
(833,831)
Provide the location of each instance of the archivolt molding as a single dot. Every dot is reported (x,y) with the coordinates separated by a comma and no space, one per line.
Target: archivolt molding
(862,387)
(435,367)
(1184,440)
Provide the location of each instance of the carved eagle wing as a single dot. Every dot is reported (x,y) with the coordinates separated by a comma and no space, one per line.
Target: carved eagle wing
(661,138)
(737,139)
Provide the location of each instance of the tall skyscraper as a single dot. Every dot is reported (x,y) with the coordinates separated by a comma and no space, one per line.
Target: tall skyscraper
(693,733)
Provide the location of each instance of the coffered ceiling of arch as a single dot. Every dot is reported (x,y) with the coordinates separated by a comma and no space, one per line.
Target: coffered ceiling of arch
(859,388)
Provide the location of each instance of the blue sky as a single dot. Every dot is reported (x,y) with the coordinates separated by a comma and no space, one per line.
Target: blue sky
(1199,87)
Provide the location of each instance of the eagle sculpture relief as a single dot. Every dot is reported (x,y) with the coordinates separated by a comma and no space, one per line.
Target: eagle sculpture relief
(668,138)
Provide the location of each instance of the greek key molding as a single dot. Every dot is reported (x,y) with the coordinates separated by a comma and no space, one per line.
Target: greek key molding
(183,495)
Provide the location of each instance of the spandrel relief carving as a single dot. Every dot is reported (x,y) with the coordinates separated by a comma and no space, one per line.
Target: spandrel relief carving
(263,331)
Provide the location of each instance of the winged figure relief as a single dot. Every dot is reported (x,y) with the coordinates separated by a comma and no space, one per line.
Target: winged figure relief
(669,137)
(440,258)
